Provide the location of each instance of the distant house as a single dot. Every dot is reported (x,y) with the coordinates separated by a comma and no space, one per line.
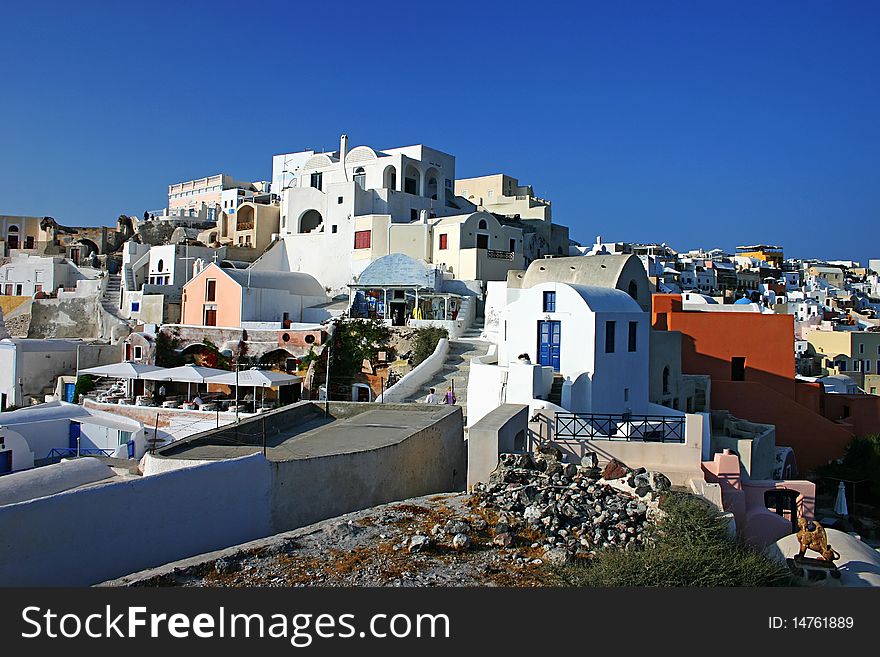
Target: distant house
(45,433)
(245,298)
(29,367)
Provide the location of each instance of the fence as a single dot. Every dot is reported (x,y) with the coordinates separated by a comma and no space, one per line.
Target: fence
(629,428)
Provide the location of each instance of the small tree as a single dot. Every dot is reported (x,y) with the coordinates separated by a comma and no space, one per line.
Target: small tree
(425,341)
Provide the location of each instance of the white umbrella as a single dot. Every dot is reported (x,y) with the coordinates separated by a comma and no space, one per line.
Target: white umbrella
(840,507)
(184,374)
(254,378)
(124,370)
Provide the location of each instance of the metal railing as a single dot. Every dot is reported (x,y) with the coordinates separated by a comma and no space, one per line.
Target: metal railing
(67,452)
(629,428)
(500,255)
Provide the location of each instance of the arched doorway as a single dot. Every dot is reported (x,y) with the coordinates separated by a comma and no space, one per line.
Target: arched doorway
(12,237)
(412,180)
(310,221)
(389,177)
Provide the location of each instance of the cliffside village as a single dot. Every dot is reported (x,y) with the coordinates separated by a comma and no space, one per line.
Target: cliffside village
(246,361)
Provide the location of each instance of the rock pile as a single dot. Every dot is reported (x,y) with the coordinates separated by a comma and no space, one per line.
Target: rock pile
(575,509)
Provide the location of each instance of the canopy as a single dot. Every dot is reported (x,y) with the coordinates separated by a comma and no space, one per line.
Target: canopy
(184,374)
(255,378)
(124,370)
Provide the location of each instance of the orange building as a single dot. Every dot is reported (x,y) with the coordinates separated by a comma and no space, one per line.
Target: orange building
(750,358)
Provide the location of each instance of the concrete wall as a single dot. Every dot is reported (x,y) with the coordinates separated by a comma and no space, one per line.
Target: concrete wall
(77,317)
(86,536)
(414,381)
(432,460)
(181,508)
(498,432)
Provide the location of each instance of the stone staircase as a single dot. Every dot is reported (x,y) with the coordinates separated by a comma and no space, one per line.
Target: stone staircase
(457,367)
(112,296)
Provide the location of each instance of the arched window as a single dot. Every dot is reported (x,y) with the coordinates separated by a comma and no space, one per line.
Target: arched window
(666,380)
(161,265)
(633,290)
(360,177)
(482,225)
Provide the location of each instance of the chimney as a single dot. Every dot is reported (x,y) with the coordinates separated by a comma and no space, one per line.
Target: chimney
(343,148)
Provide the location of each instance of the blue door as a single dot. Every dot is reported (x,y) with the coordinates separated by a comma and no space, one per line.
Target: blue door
(69,389)
(6,462)
(74,436)
(549,338)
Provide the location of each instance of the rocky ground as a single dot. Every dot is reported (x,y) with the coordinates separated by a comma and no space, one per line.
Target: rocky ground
(534,513)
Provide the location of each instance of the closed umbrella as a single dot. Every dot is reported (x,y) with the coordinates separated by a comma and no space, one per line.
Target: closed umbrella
(840,507)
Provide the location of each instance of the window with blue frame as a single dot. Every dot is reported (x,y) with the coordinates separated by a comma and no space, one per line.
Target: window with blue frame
(549,302)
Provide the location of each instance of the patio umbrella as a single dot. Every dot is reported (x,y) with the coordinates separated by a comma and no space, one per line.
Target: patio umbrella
(187,374)
(123,370)
(255,378)
(840,507)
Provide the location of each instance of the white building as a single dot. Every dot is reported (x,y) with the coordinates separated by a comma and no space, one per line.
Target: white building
(29,368)
(25,275)
(345,201)
(593,340)
(153,278)
(47,432)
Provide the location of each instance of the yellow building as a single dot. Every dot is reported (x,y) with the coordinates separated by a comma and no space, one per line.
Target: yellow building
(503,194)
(854,353)
(18,233)
(252,226)
(765,252)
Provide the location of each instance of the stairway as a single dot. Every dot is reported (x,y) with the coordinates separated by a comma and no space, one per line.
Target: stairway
(555,396)
(456,369)
(111,299)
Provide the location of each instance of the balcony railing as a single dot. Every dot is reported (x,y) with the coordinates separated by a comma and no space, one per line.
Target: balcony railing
(67,452)
(499,255)
(629,428)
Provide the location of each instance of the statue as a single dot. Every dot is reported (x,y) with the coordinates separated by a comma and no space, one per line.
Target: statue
(811,536)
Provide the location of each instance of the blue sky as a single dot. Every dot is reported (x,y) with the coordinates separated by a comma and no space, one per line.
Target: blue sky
(704,123)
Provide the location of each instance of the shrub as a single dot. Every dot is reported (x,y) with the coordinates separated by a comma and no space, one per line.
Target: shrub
(690,546)
(860,463)
(425,341)
(84,385)
(352,343)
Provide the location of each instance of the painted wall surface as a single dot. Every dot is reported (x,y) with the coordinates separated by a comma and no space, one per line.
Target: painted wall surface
(228,295)
(619,380)
(711,340)
(136,524)
(22,455)
(36,366)
(814,439)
